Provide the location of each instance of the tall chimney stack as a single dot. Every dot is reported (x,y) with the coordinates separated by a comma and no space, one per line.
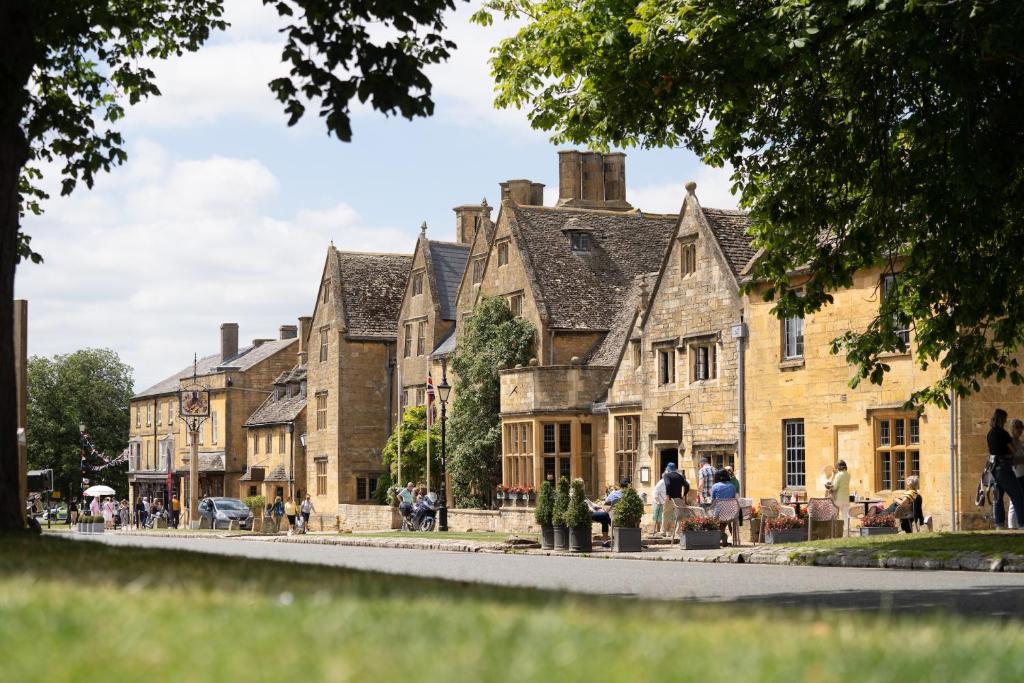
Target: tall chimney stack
(288,331)
(468,219)
(522,192)
(592,180)
(570,184)
(305,323)
(228,341)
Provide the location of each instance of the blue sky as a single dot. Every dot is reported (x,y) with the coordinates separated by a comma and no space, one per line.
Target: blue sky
(223,213)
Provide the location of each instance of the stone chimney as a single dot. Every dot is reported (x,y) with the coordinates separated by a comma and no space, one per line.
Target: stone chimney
(228,341)
(615,180)
(305,323)
(288,331)
(468,219)
(256,343)
(592,180)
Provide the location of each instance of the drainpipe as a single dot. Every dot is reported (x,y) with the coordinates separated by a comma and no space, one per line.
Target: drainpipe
(952,460)
(739,333)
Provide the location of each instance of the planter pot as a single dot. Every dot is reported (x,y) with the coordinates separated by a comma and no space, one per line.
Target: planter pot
(561,538)
(396,519)
(581,540)
(547,537)
(820,530)
(625,540)
(786,536)
(755,529)
(701,540)
(877,530)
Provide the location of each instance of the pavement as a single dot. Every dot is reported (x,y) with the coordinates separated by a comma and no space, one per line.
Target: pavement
(986,594)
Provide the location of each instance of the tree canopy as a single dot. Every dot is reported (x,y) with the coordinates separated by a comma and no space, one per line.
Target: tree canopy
(413,430)
(861,133)
(493,338)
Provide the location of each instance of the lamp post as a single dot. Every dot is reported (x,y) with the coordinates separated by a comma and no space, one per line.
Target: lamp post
(444,390)
(81,466)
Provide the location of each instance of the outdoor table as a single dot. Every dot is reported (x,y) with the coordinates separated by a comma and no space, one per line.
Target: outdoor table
(795,504)
(865,502)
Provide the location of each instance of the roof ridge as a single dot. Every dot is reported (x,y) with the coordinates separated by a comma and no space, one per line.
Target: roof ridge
(640,213)
(371,253)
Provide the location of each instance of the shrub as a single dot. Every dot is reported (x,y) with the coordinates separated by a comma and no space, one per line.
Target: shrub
(255,503)
(628,512)
(561,503)
(783,522)
(879,521)
(578,514)
(700,524)
(545,505)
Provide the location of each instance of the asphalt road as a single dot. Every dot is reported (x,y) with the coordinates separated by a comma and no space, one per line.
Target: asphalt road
(971,593)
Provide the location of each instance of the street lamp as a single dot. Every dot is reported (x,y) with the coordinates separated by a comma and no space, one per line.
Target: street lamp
(81,466)
(444,391)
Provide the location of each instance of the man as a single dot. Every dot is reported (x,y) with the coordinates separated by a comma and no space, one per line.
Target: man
(602,515)
(406,498)
(705,481)
(175,511)
(676,490)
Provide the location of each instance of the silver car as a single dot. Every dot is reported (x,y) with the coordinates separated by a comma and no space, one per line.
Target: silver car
(222,511)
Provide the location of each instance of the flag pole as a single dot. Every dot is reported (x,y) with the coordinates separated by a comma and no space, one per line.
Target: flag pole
(428,446)
(401,416)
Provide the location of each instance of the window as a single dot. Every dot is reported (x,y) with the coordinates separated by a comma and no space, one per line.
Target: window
(366,488)
(321,410)
(252,491)
(503,253)
(478,270)
(793,338)
(321,477)
(588,473)
(213,428)
(280,442)
(518,447)
(580,242)
(403,400)
(326,291)
(324,335)
(417,283)
(557,450)
(688,259)
(149,419)
(202,434)
(722,460)
(421,338)
(269,440)
(796,463)
(256,443)
(889,288)
(638,354)
(627,431)
(421,396)
(666,366)
(156,411)
(138,416)
(704,366)
(170,413)
(407,343)
(897,450)
(147,456)
(515,304)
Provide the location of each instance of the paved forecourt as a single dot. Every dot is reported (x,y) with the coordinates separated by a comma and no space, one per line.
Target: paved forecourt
(978,593)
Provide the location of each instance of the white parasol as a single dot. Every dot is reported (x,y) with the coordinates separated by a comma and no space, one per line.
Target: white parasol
(99,490)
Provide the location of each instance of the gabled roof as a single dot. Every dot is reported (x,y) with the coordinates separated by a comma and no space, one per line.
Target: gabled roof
(447,264)
(609,350)
(372,286)
(284,409)
(586,291)
(731,229)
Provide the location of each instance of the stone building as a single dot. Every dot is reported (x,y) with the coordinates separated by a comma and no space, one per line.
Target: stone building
(350,374)
(674,393)
(239,380)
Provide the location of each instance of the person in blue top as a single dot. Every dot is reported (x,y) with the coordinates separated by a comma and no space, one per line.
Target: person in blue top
(722,489)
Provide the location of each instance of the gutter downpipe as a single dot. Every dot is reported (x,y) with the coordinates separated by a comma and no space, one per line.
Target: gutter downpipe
(952,460)
(740,333)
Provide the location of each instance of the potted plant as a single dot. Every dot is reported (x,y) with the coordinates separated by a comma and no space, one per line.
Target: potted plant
(500,494)
(543,515)
(626,516)
(785,529)
(701,533)
(877,525)
(561,506)
(755,524)
(577,518)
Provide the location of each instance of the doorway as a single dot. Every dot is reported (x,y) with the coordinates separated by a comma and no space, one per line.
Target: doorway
(665,456)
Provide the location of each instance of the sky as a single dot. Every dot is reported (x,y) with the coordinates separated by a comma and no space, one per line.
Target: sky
(223,213)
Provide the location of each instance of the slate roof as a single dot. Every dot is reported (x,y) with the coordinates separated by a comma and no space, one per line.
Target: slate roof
(448,263)
(586,291)
(446,347)
(609,349)
(208,462)
(280,410)
(372,288)
(730,227)
(278,473)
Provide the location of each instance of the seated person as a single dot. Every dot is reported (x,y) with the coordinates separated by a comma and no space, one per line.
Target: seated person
(910,496)
(406,498)
(722,489)
(602,513)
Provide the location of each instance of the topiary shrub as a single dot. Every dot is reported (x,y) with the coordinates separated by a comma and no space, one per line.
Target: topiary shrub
(628,512)
(544,514)
(561,503)
(256,504)
(578,514)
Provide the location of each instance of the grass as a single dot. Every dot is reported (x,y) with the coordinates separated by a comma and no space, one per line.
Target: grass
(71,611)
(485,536)
(941,545)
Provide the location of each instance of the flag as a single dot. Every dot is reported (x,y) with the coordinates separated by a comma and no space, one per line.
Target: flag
(430,401)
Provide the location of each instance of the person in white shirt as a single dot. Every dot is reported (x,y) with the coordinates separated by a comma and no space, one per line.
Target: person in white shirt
(839,488)
(658,509)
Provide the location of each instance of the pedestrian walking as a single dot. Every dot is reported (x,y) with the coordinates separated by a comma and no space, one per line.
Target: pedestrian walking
(1016,433)
(307,508)
(125,515)
(839,489)
(108,513)
(175,512)
(290,512)
(278,513)
(705,481)
(658,507)
(1001,460)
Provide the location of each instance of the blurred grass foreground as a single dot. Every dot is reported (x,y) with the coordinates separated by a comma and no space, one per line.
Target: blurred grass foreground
(77,611)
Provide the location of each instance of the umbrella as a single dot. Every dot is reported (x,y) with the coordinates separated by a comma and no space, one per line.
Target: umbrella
(99,490)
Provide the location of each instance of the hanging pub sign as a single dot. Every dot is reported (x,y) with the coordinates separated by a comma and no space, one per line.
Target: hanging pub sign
(194,401)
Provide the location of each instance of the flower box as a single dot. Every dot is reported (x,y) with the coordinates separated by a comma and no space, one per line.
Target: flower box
(626,539)
(877,530)
(776,536)
(701,540)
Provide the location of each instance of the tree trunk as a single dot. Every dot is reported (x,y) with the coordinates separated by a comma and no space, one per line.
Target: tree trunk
(16,50)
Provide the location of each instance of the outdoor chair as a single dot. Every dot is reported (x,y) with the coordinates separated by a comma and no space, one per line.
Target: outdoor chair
(822,510)
(770,509)
(727,511)
(904,513)
(746,508)
(683,511)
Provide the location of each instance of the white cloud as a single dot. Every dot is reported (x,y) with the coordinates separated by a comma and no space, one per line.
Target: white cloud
(151,262)
(712,191)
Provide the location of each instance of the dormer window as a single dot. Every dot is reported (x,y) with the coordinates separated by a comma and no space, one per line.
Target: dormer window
(580,242)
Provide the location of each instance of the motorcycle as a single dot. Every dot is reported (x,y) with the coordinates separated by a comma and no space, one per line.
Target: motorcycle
(422,515)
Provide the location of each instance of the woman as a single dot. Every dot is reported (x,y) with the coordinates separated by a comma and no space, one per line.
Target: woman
(722,489)
(1001,459)
(125,514)
(911,494)
(289,511)
(108,514)
(839,488)
(1016,431)
(278,511)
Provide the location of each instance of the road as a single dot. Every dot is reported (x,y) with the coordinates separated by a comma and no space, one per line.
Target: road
(970,593)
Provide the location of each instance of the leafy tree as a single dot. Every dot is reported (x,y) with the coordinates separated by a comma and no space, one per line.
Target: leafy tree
(862,133)
(68,69)
(494,338)
(413,429)
(91,386)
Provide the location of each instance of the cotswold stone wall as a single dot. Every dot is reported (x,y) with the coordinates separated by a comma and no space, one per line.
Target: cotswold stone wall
(378,517)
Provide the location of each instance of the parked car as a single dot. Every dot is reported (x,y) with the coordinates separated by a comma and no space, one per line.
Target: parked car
(222,511)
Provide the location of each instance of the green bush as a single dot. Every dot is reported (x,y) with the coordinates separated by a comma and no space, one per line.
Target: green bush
(256,503)
(545,511)
(628,512)
(561,503)
(578,514)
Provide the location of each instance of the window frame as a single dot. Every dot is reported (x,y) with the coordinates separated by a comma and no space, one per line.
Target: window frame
(626,445)
(703,361)
(321,410)
(794,454)
(421,338)
(580,242)
(515,303)
(793,333)
(417,283)
(321,476)
(688,258)
(407,342)
(479,264)
(666,365)
(502,249)
(896,453)
(325,340)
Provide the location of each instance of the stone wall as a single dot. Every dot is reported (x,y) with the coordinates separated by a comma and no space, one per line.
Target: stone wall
(551,388)
(380,517)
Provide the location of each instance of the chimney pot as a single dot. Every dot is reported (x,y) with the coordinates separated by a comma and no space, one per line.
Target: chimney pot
(228,341)
(288,331)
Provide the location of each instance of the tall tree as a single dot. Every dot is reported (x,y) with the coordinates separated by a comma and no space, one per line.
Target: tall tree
(91,386)
(68,68)
(862,133)
(494,338)
(413,432)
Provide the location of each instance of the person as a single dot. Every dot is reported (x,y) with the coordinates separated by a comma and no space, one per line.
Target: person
(126,515)
(73,512)
(140,512)
(1001,460)
(658,507)
(306,508)
(911,494)
(732,479)
(406,498)
(723,489)
(278,512)
(676,490)
(108,513)
(838,487)
(1016,432)
(602,515)
(290,512)
(94,507)
(705,481)
(175,511)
